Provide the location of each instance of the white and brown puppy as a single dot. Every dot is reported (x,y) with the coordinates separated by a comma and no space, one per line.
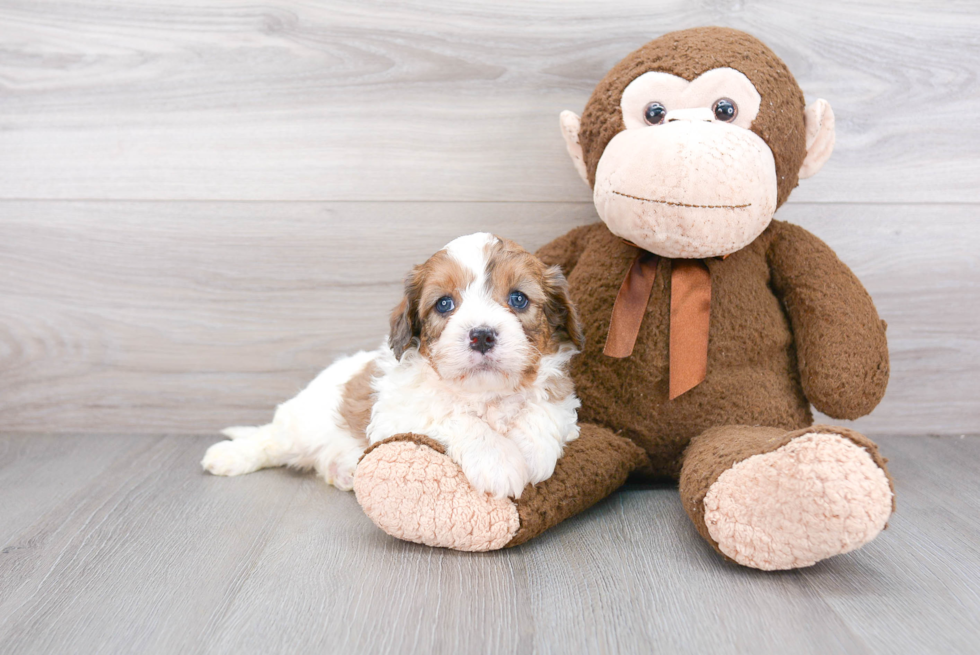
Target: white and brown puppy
(476,359)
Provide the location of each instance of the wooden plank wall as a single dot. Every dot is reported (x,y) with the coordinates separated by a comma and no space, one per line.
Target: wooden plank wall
(202,203)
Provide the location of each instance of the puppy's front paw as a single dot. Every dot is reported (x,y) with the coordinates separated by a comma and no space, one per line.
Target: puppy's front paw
(499,470)
(231,458)
(541,456)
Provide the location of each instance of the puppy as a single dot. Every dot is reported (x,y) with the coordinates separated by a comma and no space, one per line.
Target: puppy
(476,359)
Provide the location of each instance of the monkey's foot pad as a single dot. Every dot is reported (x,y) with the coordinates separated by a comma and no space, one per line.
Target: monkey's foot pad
(413,491)
(819,495)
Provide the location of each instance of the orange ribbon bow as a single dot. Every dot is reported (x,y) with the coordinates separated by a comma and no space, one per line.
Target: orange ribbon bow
(690,312)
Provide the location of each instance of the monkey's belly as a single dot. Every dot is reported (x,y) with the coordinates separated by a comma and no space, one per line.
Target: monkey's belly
(753,377)
(633,399)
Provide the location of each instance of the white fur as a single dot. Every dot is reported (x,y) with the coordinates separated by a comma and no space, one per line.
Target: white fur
(306,432)
(502,434)
(503,439)
(471,250)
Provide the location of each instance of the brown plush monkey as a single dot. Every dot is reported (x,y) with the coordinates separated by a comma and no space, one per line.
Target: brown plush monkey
(710,327)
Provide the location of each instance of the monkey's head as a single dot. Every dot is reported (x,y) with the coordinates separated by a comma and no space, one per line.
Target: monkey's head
(693,141)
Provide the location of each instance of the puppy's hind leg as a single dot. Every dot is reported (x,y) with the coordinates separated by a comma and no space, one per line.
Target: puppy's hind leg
(336,461)
(250,449)
(315,429)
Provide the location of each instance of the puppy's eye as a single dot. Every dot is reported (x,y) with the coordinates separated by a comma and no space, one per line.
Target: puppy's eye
(654,113)
(445,305)
(725,110)
(517,300)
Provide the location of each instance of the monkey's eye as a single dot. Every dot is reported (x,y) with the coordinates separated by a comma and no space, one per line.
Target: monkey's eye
(654,113)
(517,300)
(725,110)
(445,305)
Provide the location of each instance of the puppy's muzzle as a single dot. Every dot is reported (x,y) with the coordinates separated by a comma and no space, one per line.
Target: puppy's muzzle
(483,339)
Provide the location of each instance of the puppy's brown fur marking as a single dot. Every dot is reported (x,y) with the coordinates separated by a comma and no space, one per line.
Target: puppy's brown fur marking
(440,276)
(356,401)
(415,317)
(508,270)
(550,318)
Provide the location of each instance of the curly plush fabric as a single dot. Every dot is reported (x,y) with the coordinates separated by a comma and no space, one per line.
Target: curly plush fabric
(777,499)
(819,495)
(412,491)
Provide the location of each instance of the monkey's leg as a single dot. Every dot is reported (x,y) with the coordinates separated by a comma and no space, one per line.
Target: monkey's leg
(413,491)
(772,499)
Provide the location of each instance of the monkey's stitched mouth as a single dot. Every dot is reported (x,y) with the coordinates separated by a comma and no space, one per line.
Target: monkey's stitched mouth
(682,204)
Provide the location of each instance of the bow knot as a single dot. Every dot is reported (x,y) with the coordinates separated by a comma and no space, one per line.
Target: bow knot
(690,312)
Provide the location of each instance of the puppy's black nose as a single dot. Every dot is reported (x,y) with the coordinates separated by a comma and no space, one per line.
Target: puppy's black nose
(482,339)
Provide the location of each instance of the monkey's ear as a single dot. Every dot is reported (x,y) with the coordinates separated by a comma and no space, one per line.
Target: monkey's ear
(819,137)
(570,124)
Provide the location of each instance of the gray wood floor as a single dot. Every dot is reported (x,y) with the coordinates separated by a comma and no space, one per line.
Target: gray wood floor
(120,544)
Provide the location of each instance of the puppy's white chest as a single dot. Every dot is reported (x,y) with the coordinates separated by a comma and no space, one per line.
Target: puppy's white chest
(501,414)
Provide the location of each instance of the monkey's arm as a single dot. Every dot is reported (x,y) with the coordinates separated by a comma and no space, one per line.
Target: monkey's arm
(565,250)
(840,341)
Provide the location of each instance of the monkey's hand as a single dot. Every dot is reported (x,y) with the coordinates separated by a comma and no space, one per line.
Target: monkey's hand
(840,341)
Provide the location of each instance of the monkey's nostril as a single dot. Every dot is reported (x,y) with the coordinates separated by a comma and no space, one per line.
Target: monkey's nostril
(482,339)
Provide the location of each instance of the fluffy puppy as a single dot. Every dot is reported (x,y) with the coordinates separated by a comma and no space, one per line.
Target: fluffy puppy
(476,359)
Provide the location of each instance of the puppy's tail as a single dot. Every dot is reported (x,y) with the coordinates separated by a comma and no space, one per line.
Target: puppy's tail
(248,431)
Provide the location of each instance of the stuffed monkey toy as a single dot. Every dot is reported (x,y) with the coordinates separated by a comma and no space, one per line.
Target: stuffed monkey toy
(710,327)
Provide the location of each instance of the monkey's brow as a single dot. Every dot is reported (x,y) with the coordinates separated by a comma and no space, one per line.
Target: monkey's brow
(682,204)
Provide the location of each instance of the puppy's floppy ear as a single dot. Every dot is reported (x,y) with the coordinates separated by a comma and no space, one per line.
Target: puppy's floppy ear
(406,326)
(401,329)
(559,310)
